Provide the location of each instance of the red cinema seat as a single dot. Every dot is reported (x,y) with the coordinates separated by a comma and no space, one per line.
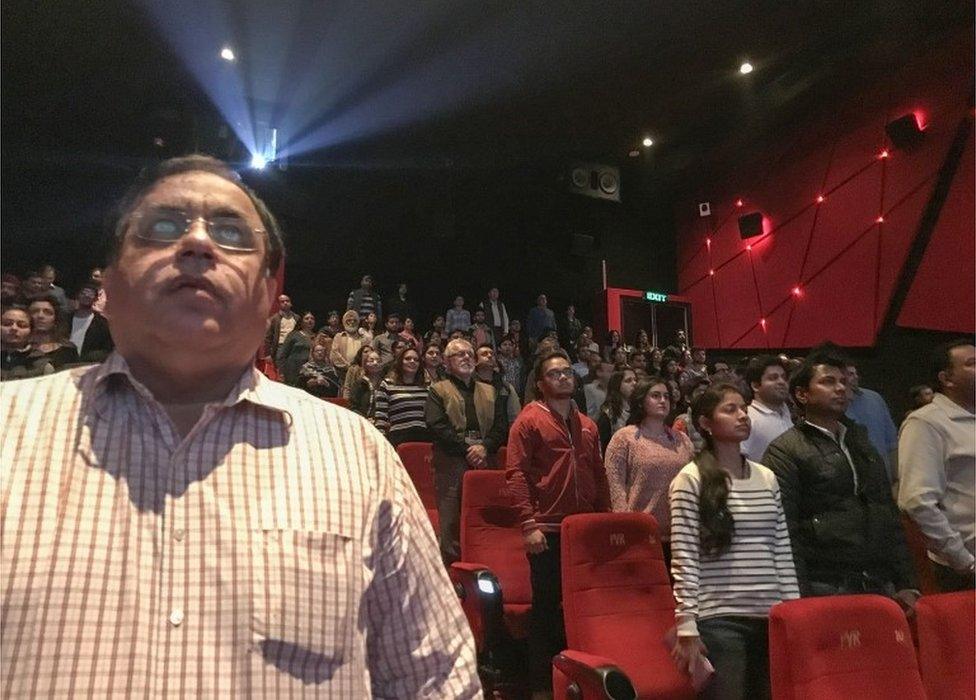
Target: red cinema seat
(417,459)
(337,400)
(842,647)
(947,644)
(618,606)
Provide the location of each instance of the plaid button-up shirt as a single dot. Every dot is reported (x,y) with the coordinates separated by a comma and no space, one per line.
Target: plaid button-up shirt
(279,549)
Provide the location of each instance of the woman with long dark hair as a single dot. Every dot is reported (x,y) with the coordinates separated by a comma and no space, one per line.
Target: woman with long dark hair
(433,361)
(730,548)
(643,457)
(616,408)
(18,358)
(613,342)
(50,336)
(362,392)
(400,400)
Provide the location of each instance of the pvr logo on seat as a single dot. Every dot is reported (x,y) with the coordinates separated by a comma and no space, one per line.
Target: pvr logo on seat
(850,639)
(618,539)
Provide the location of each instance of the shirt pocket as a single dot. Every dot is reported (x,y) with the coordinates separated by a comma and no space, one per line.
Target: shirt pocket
(304,595)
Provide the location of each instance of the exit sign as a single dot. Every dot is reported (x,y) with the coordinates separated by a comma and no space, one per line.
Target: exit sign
(655,296)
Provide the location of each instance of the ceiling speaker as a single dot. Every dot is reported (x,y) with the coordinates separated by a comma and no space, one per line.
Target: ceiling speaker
(904,132)
(599,181)
(750,225)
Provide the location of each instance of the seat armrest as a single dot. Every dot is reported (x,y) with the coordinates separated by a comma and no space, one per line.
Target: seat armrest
(481,600)
(591,677)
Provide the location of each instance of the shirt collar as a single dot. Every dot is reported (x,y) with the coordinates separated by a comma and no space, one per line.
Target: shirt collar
(252,386)
(768,410)
(951,408)
(841,433)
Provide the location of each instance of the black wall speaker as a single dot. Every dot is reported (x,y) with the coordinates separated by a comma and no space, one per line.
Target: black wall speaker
(904,132)
(750,225)
(599,181)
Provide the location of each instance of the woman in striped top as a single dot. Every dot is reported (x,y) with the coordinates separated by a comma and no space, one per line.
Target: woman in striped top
(730,548)
(400,400)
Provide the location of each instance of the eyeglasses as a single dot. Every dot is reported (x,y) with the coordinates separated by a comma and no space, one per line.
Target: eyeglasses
(566,372)
(166,226)
(460,353)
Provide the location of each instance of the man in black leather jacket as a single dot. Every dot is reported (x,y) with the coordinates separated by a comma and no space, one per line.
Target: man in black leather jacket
(844,526)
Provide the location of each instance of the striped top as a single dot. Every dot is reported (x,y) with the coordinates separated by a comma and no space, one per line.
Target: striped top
(748,578)
(400,407)
(279,549)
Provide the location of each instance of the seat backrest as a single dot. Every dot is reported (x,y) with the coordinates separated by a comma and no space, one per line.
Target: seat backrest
(617,599)
(491,533)
(841,647)
(337,400)
(417,459)
(947,644)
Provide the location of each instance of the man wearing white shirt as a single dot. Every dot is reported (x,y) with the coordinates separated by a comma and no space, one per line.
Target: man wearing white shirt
(769,411)
(937,464)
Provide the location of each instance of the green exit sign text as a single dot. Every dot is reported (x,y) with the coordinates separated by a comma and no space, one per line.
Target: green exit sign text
(655,296)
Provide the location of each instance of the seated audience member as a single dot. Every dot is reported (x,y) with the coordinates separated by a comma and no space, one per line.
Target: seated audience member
(731,558)
(333,324)
(89,329)
(616,409)
(918,396)
(362,392)
(486,370)
(281,323)
(620,359)
(570,328)
(436,328)
(467,424)
(845,528)
(719,366)
(684,422)
(644,456)
(33,286)
(510,363)
(642,342)
(480,331)
(383,343)
(937,464)
(346,345)
(613,342)
(53,290)
(365,300)
(400,400)
(496,315)
(367,326)
(696,368)
(654,360)
(399,304)
(519,339)
(49,336)
(553,470)
(868,408)
(539,321)
(409,335)
(433,363)
(769,410)
(20,359)
(295,351)
(582,364)
(317,376)
(595,390)
(637,361)
(10,291)
(587,335)
(457,317)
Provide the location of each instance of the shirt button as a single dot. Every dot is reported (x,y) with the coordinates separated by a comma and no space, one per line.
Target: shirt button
(178,535)
(176,618)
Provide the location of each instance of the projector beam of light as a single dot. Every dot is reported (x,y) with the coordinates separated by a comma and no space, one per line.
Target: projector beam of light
(324,74)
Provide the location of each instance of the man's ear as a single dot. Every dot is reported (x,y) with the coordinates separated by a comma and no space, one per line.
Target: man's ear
(943,378)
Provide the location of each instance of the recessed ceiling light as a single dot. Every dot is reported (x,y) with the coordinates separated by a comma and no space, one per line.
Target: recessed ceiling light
(745,68)
(227,54)
(648,141)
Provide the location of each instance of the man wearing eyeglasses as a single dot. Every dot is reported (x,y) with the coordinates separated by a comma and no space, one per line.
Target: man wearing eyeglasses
(554,469)
(468,423)
(188,527)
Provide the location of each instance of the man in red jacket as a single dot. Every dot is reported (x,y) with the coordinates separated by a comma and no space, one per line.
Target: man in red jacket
(553,470)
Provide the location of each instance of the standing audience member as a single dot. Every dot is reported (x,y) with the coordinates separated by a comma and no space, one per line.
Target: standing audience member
(10,290)
(95,277)
(582,364)
(436,329)
(89,329)
(918,396)
(433,363)
(354,372)
(295,351)
(49,334)
(870,410)
(553,470)
(457,317)
(383,343)
(540,320)
(317,376)
(486,370)
(620,358)
(697,368)
(616,409)
(362,392)
(596,390)
(769,410)
(613,342)
(685,421)
(399,304)
(510,363)
(845,528)
(642,343)
(519,338)
(570,329)
(496,315)
(346,345)
(731,558)
(670,373)
(365,300)
(655,360)
(937,463)
(400,400)
(467,424)
(644,456)
(333,324)
(637,361)
(19,359)
(587,334)
(481,333)
(281,323)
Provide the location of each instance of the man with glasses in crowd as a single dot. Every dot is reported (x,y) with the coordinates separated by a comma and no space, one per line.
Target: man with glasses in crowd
(188,527)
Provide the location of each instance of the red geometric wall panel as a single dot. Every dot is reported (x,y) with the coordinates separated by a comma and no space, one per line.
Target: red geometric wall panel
(943,295)
(841,208)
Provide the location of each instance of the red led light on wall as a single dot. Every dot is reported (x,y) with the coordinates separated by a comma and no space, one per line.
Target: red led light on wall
(883,154)
(797,292)
(880,220)
(762,322)
(739,202)
(708,242)
(820,199)
(711,272)
(749,247)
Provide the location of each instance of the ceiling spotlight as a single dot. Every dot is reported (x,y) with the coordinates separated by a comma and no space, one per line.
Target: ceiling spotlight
(227,54)
(258,162)
(745,68)
(648,142)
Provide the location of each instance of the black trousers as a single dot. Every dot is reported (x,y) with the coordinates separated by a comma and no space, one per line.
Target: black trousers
(547,632)
(950,581)
(448,477)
